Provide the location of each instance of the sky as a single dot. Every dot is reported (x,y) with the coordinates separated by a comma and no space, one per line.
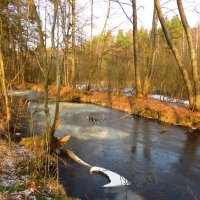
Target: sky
(118,20)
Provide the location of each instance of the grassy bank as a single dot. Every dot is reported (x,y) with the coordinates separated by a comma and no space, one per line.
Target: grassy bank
(145,107)
(24,174)
(26,170)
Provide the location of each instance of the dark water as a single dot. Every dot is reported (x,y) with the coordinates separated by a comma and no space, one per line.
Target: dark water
(160,165)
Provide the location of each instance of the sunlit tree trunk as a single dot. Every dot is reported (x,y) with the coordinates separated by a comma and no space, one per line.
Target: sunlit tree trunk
(151,54)
(73,44)
(3,81)
(4,87)
(20,49)
(44,65)
(58,78)
(66,23)
(13,47)
(177,56)
(91,40)
(135,51)
(195,68)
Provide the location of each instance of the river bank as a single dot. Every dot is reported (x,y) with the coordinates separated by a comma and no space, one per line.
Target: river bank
(167,112)
(23,170)
(22,177)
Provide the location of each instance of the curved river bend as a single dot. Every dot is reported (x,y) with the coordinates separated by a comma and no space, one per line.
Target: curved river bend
(159,164)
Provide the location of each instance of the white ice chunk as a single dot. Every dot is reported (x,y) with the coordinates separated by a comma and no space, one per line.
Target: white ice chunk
(115,179)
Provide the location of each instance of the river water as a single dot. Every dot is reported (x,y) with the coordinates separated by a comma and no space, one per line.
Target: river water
(161,161)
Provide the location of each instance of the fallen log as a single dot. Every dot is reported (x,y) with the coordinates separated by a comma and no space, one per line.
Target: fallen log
(114,178)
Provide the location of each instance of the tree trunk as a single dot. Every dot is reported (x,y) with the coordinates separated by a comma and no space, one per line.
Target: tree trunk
(66,24)
(177,56)
(94,61)
(21,56)
(195,69)
(3,83)
(73,45)
(135,52)
(4,87)
(13,47)
(58,78)
(44,65)
(151,54)
(67,47)
(91,40)
(2,75)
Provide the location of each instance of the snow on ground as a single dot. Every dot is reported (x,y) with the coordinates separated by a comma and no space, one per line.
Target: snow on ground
(169,99)
(8,176)
(18,92)
(15,184)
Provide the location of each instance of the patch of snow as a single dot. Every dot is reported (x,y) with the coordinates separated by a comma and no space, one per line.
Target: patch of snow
(7,182)
(115,179)
(128,91)
(105,89)
(93,89)
(80,86)
(18,92)
(186,102)
(26,194)
(166,98)
(18,134)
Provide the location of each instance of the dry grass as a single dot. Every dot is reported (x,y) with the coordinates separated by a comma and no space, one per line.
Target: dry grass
(29,160)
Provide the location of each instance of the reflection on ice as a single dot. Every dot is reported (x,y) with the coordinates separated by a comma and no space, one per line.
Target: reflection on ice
(70,112)
(93,132)
(129,195)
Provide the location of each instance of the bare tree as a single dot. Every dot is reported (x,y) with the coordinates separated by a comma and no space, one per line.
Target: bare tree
(135,51)
(3,80)
(94,63)
(73,4)
(66,25)
(193,92)
(151,54)
(91,41)
(58,77)
(46,69)
(193,57)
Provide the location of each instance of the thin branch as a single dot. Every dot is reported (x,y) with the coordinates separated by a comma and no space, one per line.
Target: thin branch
(124,11)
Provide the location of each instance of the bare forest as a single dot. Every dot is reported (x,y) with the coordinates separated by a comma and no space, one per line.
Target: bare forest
(77,51)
